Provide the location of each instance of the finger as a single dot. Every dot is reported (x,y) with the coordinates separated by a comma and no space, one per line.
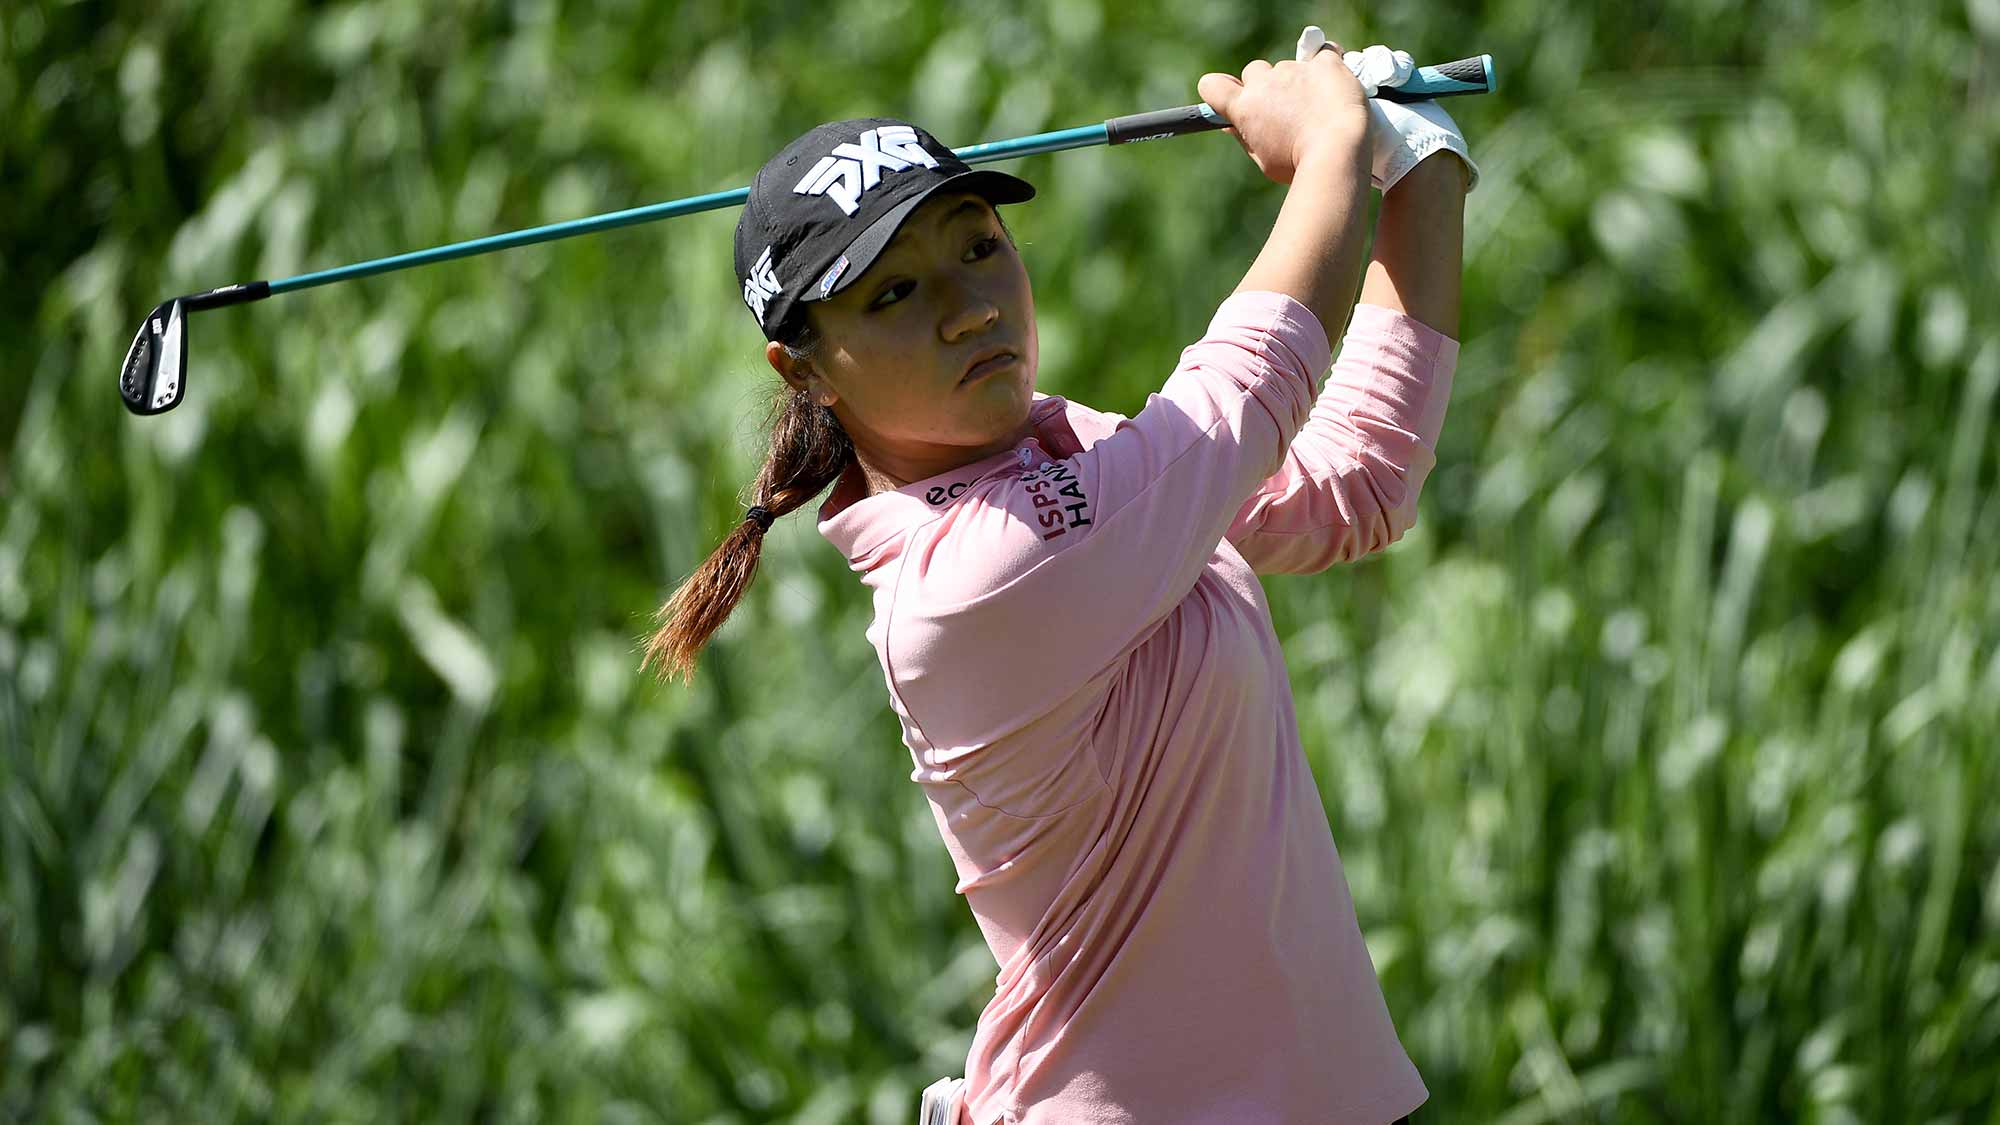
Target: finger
(1255,66)
(1326,56)
(1405,66)
(1378,65)
(1310,41)
(1218,90)
(1357,65)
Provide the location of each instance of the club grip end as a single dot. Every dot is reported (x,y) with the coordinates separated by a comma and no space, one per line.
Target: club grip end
(1472,75)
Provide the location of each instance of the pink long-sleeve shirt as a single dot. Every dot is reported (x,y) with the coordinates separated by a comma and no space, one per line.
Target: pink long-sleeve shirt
(1083,661)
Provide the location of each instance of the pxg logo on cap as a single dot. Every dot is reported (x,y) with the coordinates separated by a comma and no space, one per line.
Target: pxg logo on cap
(806,235)
(844,174)
(761,285)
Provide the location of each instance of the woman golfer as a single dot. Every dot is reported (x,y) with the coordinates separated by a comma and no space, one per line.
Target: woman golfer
(1067,609)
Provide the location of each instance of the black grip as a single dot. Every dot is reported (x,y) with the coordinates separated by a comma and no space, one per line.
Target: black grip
(227,295)
(1161,123)
(1463,76)
(1464,70)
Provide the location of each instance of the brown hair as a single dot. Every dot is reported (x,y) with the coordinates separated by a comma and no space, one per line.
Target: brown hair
(808,452)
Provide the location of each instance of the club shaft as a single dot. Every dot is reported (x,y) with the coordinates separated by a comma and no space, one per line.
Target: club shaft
(1466,76)
(550,232)
(972,154)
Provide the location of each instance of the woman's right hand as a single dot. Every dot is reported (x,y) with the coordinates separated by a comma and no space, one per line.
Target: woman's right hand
(1286,114)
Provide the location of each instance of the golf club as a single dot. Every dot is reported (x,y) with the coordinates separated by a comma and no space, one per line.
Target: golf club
(153,378)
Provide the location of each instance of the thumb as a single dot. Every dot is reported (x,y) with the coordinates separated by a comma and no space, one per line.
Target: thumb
(1219,91)
(1310,41)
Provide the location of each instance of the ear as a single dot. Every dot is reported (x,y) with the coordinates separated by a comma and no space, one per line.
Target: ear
(799,374)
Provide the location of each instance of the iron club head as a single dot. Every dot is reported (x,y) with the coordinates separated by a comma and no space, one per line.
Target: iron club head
(154,375)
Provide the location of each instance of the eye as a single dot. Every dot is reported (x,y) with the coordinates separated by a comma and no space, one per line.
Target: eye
(883,302)
(981,250)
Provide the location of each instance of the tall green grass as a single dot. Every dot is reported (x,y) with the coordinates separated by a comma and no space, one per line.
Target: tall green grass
(1661,755)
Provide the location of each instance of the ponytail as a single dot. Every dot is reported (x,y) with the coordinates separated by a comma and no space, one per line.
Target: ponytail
(809,451)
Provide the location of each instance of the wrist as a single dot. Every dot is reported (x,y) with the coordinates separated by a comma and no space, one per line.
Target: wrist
(1334,151)
(1441,177)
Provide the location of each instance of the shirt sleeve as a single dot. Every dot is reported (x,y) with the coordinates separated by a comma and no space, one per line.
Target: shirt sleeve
(1349,481)
(1038,578)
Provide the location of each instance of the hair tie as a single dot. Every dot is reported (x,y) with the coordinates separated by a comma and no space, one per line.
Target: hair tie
(760,515)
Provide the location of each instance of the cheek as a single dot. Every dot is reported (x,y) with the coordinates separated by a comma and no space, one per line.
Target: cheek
(881,392)
(1023,297)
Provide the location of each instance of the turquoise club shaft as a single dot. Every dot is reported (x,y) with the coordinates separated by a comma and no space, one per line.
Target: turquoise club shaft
(1081,137)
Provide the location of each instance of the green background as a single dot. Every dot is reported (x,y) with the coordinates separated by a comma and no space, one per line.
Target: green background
(1661,754)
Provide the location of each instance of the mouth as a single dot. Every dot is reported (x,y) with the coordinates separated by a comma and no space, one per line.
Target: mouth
(988,362)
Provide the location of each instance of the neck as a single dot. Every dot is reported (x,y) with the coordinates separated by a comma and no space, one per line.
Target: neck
(886,471)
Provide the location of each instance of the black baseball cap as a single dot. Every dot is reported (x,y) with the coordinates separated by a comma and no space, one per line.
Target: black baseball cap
(823,209)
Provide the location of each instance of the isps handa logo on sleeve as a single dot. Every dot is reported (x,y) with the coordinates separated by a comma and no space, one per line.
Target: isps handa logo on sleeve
(1056,499)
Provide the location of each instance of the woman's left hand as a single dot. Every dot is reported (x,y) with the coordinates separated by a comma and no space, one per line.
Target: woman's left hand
(1400,134)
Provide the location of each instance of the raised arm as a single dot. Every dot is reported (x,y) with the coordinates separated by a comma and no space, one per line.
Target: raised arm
(1349,482)
(1314,252)
(1420,244)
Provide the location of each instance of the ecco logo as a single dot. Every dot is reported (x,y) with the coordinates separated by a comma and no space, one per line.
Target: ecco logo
(761,285)
(851,169)
(938,493)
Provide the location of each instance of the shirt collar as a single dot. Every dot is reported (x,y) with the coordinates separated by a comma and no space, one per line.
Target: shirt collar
(861,525)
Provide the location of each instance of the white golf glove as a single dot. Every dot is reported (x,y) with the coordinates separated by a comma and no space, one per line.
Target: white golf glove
(1402,133)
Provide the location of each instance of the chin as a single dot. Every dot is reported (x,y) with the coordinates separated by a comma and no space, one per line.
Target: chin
(1011,405)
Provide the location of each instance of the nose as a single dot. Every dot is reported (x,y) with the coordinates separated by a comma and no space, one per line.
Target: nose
(969,311)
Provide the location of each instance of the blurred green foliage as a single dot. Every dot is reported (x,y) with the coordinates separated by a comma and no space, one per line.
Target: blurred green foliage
(1661,754)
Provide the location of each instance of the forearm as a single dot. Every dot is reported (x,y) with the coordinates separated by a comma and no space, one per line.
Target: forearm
(1420,244)
(1315,248)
